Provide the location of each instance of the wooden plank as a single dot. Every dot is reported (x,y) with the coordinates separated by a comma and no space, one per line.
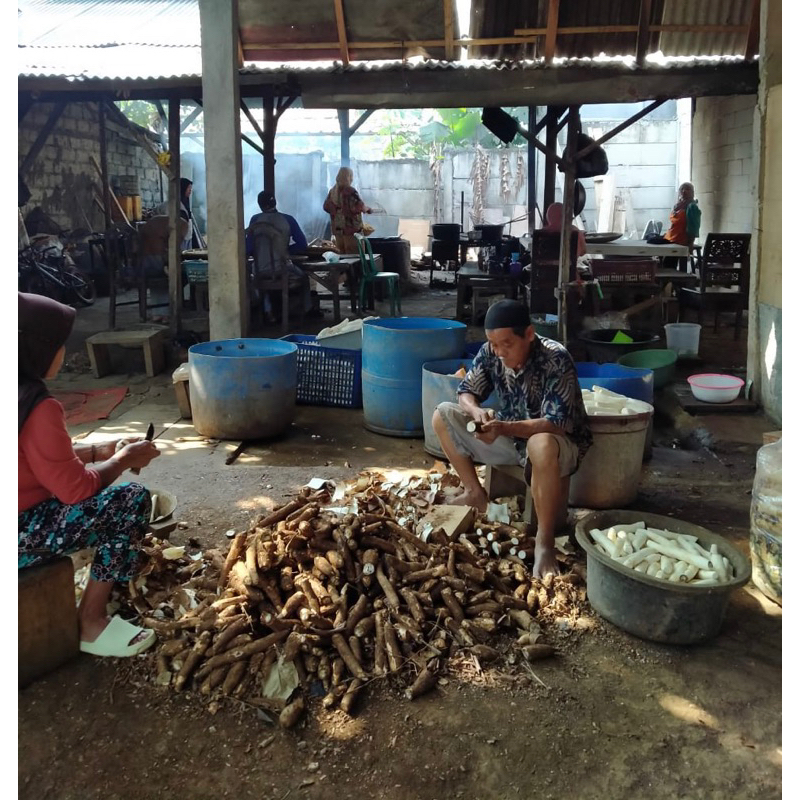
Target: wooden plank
(577,29)
(692,405)
(42,138)
(751,48)
(108,193)
(552,29)
(192,117)
(342,31)
(449,46)
(643,31)
(621,127)
(174,252)
(129,337)
(454,520)
(249,114)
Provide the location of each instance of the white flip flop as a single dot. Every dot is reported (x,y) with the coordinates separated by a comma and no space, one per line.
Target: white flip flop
(114,640)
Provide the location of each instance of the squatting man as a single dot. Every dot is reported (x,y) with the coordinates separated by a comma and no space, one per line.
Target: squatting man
(541,423)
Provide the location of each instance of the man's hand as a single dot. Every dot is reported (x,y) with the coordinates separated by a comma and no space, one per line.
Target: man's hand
(491,430)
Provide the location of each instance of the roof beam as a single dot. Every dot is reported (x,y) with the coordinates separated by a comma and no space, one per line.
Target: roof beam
(342,30)
(643,32)
(621,127)
(42,138)
(449,46)
(401,87)
(751,48)
(587,29)
(192,117)
(452,88)
(249,114)
(552,29)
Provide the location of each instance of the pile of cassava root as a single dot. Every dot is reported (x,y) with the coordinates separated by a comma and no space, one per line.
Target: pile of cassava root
(346,598)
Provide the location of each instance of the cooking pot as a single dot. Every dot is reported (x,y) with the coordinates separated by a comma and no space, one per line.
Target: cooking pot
(446,231)
(490,233)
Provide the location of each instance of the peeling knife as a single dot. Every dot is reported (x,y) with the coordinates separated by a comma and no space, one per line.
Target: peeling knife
(148,438)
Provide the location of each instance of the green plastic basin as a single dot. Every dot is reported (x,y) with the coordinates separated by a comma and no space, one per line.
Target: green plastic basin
(662,362)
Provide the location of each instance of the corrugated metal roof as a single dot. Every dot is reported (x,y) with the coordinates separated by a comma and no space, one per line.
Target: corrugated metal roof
(160,39)
(502,17)
(99,23)
(123,62)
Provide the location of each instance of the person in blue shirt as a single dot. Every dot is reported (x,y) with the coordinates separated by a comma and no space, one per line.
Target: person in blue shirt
(271,238)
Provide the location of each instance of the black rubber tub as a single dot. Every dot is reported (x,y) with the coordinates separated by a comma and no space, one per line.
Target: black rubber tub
(650,608)
(602,350)
(446,231)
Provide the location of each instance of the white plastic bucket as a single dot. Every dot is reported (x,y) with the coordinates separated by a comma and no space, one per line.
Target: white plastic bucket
(683,338)
(608,476)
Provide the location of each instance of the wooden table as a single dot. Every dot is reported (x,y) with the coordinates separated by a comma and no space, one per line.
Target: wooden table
(329,274)
(636,247)
(479,281)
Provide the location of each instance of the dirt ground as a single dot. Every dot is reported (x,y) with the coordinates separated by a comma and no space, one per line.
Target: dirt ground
(610,716)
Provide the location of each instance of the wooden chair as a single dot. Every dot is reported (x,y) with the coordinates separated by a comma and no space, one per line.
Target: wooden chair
(724,279)
(370,274)
(267,278)
(545,264)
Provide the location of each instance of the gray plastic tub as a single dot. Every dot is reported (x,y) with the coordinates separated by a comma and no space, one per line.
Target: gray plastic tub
(650,608)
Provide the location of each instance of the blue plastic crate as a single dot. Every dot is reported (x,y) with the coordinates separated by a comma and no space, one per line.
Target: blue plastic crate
(326,376)
(196,271)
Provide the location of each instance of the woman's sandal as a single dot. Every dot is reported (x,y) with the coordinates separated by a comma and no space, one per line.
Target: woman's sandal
(115,640)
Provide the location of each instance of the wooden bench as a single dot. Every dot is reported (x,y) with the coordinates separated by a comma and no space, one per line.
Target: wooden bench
(151,341)
(47,633)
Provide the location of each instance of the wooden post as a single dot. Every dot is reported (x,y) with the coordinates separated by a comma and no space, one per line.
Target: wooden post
(344,136)
(531,171)
(566,221)
(173,195)
(269,142)
(101,117)
(551,143)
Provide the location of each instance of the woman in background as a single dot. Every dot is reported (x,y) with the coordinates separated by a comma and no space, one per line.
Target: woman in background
(65,498)
(684,224)
(345,207)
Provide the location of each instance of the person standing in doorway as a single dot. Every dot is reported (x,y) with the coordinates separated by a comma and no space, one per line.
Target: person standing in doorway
(345,208)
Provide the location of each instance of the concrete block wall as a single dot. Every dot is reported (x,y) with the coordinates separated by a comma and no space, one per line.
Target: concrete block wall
(722,163)
(62,177)
(642,160)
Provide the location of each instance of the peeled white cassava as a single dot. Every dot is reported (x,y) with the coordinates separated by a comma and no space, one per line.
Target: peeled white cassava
(664,555)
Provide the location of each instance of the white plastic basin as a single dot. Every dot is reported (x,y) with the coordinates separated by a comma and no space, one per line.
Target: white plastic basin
(715,388)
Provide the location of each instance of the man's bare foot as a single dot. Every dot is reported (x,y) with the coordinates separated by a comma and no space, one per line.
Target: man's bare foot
(478,500)
(544,562)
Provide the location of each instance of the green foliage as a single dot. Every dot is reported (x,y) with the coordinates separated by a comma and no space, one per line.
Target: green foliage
(455,127)
(145,113)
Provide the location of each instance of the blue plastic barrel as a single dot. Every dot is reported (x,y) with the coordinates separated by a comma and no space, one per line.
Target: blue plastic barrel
(633,382)
(392,356)
(243,388)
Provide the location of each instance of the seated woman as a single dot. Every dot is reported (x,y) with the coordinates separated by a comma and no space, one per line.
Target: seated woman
(553,220)
(65,498)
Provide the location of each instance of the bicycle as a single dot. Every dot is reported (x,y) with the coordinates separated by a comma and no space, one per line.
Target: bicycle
(53,274)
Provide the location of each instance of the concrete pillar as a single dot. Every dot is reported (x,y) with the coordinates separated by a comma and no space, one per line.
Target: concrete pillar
(765,311)
(227,285)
